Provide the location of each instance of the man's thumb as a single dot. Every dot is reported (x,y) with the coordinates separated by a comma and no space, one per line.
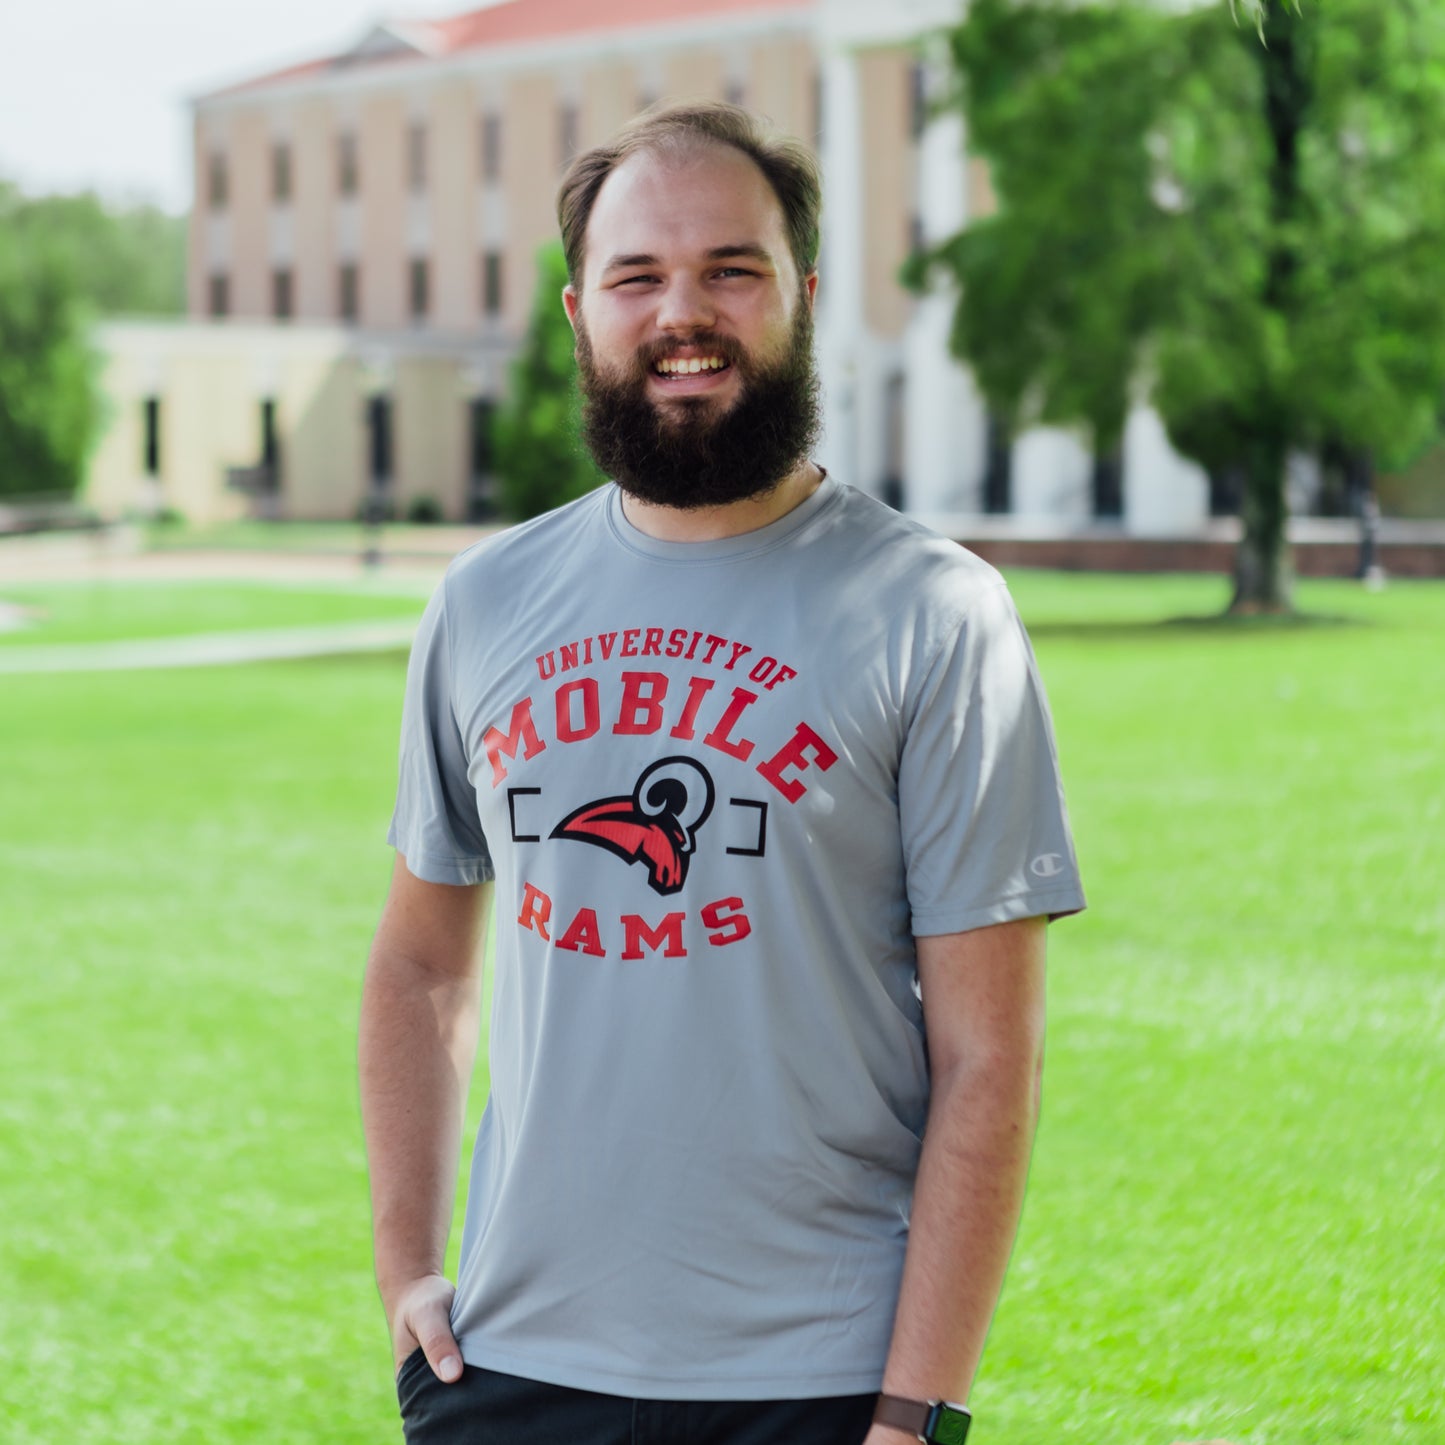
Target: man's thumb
(432,1328)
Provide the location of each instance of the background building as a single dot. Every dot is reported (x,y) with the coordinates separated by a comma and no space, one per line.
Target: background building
(362,264)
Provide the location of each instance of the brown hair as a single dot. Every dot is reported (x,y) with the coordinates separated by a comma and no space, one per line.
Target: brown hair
(788,166)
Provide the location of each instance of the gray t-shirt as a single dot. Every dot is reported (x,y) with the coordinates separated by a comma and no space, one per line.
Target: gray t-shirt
(721,786)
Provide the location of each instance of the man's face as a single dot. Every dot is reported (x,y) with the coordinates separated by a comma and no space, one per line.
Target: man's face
(687,263)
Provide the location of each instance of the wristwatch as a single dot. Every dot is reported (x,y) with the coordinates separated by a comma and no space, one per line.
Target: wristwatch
(937,1422)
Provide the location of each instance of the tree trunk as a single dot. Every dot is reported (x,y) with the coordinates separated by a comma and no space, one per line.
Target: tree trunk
(1263,580)
(1263,568)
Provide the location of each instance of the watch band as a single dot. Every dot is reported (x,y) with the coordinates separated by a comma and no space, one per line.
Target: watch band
(938,1422)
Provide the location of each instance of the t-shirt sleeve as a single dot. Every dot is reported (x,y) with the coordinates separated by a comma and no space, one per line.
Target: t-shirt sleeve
(435,826)
(985,831)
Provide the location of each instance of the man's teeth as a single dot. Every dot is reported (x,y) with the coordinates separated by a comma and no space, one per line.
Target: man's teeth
(690,365)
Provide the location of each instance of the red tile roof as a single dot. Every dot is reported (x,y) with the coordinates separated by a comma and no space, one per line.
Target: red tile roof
(547,19)
(518,21)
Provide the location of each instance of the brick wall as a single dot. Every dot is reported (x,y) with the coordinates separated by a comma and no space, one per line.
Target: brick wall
(1158,554)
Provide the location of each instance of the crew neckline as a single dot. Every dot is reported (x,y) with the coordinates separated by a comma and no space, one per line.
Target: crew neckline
(720,549)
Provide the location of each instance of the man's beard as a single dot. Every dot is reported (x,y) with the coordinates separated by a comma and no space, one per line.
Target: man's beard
(686,453)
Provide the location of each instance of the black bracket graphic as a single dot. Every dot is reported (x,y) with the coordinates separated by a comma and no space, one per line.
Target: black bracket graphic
(761,847)
(512,795)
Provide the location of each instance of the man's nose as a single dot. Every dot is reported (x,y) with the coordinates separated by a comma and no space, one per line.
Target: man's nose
(685,307)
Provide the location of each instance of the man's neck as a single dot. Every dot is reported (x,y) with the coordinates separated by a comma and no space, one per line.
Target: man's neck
(712,524)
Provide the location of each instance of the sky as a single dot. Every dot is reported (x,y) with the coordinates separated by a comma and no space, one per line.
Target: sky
(93,92)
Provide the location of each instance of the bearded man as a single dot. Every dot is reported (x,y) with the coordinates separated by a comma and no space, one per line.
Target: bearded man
(762,777)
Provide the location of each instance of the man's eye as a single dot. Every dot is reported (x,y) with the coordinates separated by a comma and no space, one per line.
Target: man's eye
(734,271)
(630,280)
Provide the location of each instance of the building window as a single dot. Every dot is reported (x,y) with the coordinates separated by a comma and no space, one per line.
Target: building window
(151,447)
(416,158)
(420,286)
(818,110)
(483,412)
(492,283)
(1226,491)
(281,172)
(736,93)
(998,468)
(348,170)
(217,181)
(1107,483)
(917,99)
(218,300)
(491,147)
(281,293)
(646,99)
(915,235)
(567,130)
(270,448)
(378,429)
(481,499)
(348,300)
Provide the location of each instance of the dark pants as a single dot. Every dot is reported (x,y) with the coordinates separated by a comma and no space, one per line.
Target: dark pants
(488,1408)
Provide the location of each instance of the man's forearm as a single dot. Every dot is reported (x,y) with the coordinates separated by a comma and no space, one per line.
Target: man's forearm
(417,1043)
(967,1201)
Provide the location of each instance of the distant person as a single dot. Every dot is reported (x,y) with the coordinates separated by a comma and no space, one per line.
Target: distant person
(762,776)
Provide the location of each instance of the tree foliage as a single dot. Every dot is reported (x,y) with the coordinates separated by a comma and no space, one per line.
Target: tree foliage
(1240,213)
(48,403)
(122,260)
(64,261)
(541,462)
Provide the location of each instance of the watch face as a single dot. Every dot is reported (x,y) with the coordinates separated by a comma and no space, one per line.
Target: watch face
(949,1426)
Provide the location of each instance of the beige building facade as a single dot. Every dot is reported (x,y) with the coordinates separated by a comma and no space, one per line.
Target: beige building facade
(362,262)
(406,185)
(228,420)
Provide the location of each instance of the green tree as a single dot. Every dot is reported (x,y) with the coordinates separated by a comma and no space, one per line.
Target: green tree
(1241,216)
(49,408)
(541,462)
(125,260)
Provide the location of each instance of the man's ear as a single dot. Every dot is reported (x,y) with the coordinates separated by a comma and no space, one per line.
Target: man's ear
(570,303)
(810,284)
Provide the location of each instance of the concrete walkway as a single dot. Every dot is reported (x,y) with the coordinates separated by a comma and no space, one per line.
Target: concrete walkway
(118,558)
(208,649)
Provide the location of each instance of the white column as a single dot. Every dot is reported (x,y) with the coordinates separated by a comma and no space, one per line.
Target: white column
(1052,476)
(1165,494)
(840,326)
(945,423)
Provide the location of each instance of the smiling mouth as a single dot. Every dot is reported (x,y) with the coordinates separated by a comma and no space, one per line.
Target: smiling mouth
(676,368)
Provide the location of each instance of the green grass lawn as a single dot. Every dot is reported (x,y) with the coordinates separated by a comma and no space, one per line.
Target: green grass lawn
(1234,1226)
(293,536)
(250,535)
(107,611)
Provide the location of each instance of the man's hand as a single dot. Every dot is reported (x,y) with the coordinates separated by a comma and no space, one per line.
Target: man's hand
(421,1315)
(417,1040)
